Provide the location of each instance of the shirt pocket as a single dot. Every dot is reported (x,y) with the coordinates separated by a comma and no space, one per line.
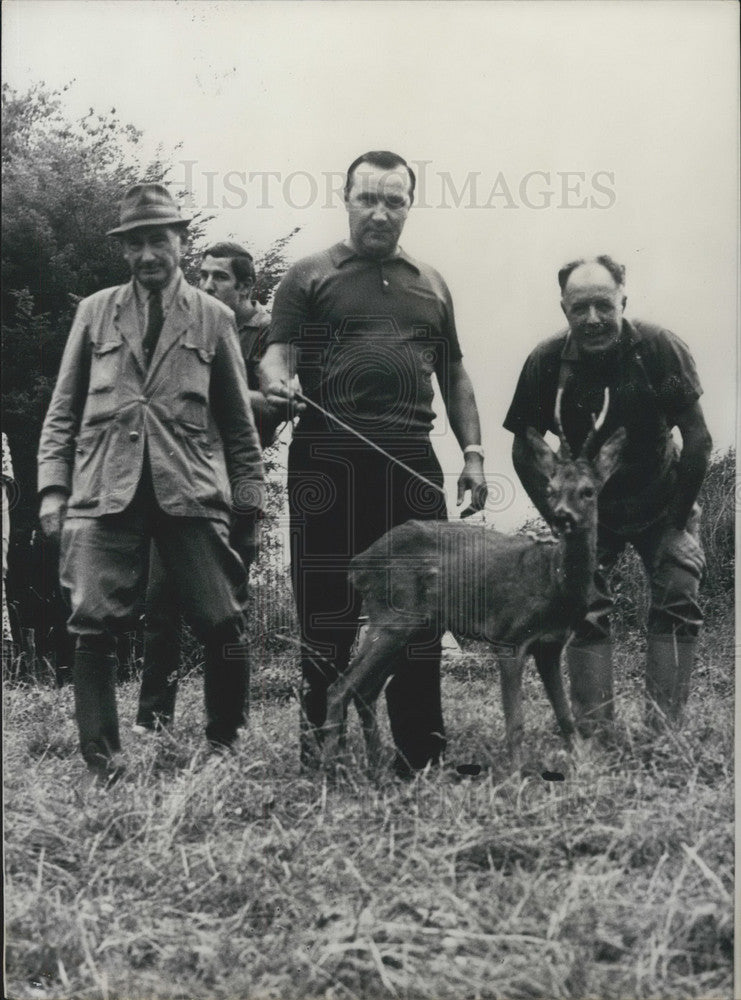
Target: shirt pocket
(105,374)
(194,381)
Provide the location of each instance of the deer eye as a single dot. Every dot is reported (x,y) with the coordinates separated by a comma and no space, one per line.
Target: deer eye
(588,492)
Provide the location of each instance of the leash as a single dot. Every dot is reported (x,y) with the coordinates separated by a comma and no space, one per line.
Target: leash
(371,444)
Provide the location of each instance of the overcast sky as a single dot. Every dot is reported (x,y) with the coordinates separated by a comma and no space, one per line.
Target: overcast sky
(543,132)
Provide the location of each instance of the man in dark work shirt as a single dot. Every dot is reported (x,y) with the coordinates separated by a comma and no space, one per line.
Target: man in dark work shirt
(649,502)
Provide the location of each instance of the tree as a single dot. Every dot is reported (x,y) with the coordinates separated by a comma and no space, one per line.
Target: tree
(271,266)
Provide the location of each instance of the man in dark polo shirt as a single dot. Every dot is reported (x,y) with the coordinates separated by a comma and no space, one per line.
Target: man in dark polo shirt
(650,501)
(227,273)
(365,327)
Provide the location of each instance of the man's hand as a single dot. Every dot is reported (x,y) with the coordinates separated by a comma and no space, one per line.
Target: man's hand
(682,547)
(280,397)
(472,478)
(245,538)
(52,513)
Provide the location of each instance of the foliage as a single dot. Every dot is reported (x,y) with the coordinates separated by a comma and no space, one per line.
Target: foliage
(719,501)
(62,184)
(271,266)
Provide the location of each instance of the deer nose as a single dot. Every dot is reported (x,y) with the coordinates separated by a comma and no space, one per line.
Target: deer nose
(563,521)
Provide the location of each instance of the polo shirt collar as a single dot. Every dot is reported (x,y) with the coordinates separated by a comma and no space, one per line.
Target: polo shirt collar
(341,253)
(629,337)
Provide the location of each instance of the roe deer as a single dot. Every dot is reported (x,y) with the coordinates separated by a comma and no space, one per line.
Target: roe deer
(508,589)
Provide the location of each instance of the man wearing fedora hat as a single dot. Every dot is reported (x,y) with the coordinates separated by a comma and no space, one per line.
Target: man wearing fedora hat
(150,435)
(227,272)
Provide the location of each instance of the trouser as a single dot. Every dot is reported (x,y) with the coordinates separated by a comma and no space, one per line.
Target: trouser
(673,610)
(102,568)
(162,634)
(342,497)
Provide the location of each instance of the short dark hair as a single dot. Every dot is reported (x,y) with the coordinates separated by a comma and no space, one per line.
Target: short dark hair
(617,271)
(384,159)
(243,265)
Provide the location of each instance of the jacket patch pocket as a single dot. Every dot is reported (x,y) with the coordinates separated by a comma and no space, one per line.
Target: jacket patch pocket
(193,410)
(105,374)
(194,375)
(105,363)
(87,475)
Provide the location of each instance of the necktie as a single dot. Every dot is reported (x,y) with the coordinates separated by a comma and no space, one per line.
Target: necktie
(155,319)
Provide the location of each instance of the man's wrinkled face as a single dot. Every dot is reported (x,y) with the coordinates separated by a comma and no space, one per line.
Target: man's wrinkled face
(153,254)
(377,203)
(593,305)
(218,279)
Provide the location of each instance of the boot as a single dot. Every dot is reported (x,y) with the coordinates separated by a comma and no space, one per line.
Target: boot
(226,684)
(94,677)
(590,677)
(669,662)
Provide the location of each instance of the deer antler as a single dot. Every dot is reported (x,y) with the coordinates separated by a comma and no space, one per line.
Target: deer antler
(564,450)
(597,423)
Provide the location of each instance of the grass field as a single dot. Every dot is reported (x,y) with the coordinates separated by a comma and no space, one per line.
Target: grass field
(231,878)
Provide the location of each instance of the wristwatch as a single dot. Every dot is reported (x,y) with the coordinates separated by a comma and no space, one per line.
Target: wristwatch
(473,449)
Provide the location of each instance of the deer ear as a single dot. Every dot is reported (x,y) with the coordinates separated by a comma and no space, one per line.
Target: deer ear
(545,459)
(610,454)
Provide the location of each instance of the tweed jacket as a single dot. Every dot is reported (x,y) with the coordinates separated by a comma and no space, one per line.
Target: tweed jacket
(189,412)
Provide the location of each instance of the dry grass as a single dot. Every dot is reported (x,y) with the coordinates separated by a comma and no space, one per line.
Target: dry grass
(233,878)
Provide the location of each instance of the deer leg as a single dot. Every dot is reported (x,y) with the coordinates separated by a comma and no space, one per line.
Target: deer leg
(362,681)
(365,703)
(548,661)
(333,729)
(510,672)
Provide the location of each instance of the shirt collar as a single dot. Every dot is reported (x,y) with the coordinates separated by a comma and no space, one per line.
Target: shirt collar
(168,292)
(341,253)
(628,338)
(257,318)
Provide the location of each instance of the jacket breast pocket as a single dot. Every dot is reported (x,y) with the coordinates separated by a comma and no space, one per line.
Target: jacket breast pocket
(105,374)
(194,383)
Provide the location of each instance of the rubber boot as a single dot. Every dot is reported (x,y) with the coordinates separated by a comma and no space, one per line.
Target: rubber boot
(226,684)
(94,677)
(590,677)
(669,663)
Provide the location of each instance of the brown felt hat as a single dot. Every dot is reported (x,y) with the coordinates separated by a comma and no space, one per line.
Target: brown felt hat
(148,205)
